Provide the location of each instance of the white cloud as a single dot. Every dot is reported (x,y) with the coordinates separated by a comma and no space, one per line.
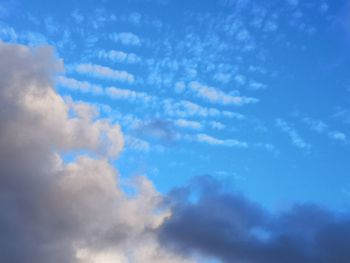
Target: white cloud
(254,85)
(82,86)
(233,115)
(214,95)
(337,135)
(296,139)
(186,108)
(240,79)
(127,94)
(77,16)
(217,125)
(204,138)
(315,125)
(126,38)
(223,77)
(119,56)
(180,86)
(104,72)
(137,144)
(195,125)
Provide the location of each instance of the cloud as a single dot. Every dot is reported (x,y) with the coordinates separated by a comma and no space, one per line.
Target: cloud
(137,144)
(126,38)
(322,128)
(204,138)
(208,218)
(194,125)
(104,72)
(293,134)
(118,56)
(55,211)
(82,86)
(127,94)
(214,95)
(316,125)
(336,135)
(184,108)
(217,125)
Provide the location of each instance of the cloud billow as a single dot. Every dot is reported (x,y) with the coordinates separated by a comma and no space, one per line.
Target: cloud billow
(208,220)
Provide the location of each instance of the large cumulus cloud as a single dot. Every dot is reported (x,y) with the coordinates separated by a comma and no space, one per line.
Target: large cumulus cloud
(209,220)
(52,211)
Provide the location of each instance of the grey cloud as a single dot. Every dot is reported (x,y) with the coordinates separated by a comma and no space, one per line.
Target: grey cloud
(209,220)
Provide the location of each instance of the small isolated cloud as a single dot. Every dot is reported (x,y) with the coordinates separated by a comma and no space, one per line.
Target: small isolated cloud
(337,135)
(316,125)
(77,16)
(254,85)
(215,95)
(205,138)
(223,78)
(119,56)
(194,125)
(104,72)
(296,139)
(126,38)
(216,125)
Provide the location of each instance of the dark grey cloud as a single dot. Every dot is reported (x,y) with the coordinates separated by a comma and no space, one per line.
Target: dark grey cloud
(209,220)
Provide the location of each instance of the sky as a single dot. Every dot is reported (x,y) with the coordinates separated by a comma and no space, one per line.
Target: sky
(175,131)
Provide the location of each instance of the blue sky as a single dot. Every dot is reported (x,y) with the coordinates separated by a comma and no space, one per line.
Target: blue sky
(255,94)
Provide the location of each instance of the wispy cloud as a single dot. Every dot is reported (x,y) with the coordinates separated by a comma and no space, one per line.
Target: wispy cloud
(205,138)
(337,135)
(82,86)
(127,94)
(186,108)
(215,95)
(316,125)
(104,72)
(126,38)
(118,56)
(183,123)
(296,139)
(217,125)
(322,128)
